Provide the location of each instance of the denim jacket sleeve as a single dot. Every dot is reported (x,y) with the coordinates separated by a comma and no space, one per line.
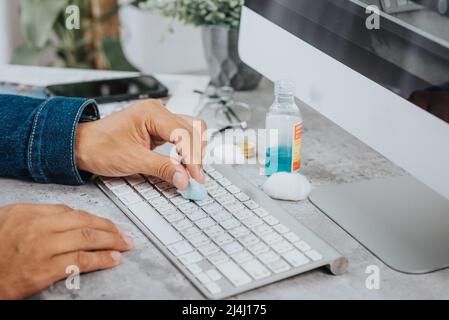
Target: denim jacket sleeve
(37,137)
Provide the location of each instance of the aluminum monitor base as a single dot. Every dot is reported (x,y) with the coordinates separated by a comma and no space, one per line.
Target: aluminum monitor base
(400,220)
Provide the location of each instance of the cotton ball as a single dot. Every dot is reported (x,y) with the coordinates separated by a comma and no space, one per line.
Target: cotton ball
(287,186)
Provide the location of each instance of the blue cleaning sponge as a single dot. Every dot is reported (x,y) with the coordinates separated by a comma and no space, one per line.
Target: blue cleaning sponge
(195,191)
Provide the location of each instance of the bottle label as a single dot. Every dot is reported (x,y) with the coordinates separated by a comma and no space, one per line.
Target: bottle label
(296,147)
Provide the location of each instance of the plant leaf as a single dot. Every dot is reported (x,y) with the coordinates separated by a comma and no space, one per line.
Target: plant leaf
(112,51)
(38,18)
(26,55)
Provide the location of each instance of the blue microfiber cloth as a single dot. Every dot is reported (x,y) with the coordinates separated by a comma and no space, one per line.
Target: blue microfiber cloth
(195,191)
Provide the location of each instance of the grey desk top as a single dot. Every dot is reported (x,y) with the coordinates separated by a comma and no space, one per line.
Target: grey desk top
(331,156)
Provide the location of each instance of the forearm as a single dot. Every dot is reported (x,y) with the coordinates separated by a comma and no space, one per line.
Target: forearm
(37,137)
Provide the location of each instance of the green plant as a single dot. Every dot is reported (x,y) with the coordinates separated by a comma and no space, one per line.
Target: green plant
(45,34)
(198,12)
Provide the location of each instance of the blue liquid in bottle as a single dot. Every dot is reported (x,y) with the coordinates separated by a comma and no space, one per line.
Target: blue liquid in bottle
(284,130)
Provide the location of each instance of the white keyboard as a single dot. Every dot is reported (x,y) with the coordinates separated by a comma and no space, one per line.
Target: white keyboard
(235,240)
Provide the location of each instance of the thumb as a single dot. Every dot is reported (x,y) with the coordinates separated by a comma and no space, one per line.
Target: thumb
(165,168)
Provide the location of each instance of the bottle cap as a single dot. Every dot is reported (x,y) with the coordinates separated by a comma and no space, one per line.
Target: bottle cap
(284,87)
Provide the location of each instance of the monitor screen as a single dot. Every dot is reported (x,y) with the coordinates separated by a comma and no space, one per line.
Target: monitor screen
(405,49)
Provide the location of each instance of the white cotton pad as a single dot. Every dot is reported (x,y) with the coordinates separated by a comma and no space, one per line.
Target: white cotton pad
(287,186)
(195,191)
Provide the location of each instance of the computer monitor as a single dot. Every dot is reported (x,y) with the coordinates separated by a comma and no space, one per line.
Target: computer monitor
(386,83)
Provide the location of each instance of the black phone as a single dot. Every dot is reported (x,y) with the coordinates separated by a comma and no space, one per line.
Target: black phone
(112,90)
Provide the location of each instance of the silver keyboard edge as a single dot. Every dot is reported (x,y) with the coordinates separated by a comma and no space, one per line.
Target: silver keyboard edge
(335,262)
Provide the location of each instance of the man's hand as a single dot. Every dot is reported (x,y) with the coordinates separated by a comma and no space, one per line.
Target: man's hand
(121,144)
(38,243)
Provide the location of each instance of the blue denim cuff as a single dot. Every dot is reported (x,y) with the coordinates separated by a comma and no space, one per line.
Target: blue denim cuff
(51,148)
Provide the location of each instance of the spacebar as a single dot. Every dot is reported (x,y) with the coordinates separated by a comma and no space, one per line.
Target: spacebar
(155,223)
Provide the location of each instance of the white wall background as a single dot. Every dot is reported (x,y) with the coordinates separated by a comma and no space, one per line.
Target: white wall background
(146,40)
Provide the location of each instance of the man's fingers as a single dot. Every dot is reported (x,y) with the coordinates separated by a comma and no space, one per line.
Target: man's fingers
(76,219)
(86,239)
(165,168)
(85,261)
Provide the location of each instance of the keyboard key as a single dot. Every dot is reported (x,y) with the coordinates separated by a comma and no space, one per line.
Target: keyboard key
(251,204)
(302,245)
(270,220)
(271,238)
(278,266)
(214,231)
(196,215)
(208,168)
(194,268)
(166,209)
(170,193)
(158,202)
(142,187)
(281,228)
(177,201)
(213,287)
(242,256)
(224,182)
(232,248)
(233,189)
(252,222)
(150,194)
(130,198)
(215,175)
(191,232)
(262,229)
(189,258)
(230,223)
(295,258)
(199,240)
(292,237)
(203,278)
(218,258)
(249,240)
(282,246)
(188,207)
(112,183)
(135,179)
(261,212)
(214,274)
(162,186)
(314,255)
(234,273)
(180,248)
(182,224)
(221,216)
(239,232)
(217,192)
(243,214)
(155,223)
(241,196)
(258,248)
(205,223)
(268,257)
(122,190)
(223,239)
(204,202)
(211,208)
(154,180)
(234,207)
(225,199)
(256,269)
(173,217)
(208,249)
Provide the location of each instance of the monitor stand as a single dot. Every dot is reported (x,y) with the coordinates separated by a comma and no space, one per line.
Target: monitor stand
(400,220)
